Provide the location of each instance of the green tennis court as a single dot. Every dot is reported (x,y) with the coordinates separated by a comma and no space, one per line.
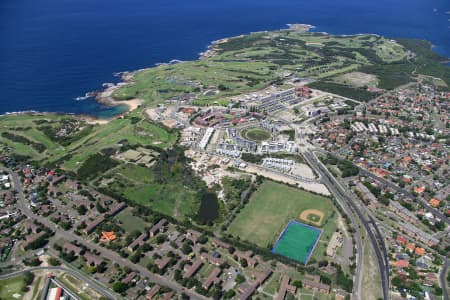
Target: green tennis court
(297,241)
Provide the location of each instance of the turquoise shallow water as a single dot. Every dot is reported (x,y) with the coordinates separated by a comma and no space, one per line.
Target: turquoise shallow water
(54,51)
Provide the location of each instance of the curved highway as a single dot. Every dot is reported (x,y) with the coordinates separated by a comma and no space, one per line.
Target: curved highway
(443,279)
(92,282)
(342,197)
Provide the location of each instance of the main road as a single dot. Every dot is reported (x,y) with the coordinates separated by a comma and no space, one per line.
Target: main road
(431,209)
(443,279)
(396,188)
(106,253)
(346,202)
(92,283)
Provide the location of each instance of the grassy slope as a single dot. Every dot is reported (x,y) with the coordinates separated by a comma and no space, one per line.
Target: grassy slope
(270,209)
(101,137)
(137,184)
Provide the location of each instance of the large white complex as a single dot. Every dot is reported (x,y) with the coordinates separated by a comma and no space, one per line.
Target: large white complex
(206,137)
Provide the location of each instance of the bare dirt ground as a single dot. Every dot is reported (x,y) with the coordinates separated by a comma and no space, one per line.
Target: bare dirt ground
(151,113)
(309,186)
(94,121)
(304,216)
(202,166)
(202,161)
(358,79)
(303,170)
(169,123)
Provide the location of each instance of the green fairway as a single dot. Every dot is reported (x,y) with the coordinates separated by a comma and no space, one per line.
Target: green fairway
(36,137)
(142,133)
(270,209)
(250,62)
(297,242)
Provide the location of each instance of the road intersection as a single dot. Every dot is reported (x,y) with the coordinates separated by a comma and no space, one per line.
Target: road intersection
(105,253)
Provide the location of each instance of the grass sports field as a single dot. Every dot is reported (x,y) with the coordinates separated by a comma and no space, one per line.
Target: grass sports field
(10,287)
(256,134)
(297,241)
(271,208)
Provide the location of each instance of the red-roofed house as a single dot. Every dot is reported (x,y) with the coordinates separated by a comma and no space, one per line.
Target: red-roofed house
(401,240)
(410,247)
(419,189)
(401,263)
(107,236)
(420,251)
(434,202)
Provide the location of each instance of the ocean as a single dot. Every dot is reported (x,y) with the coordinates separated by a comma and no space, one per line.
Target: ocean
(53,52)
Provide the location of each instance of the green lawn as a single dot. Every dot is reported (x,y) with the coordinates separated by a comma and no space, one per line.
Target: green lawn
(75,286)
(273,284)
(171,200)
(205,270)
(327,231)
(145,260)
(270,209)
(256,134)
(135,173)
(36,288)
(130,223)
(371,275)
(137,184)
(9,287)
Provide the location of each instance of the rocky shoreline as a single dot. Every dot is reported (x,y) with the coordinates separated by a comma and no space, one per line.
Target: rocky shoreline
(103,96)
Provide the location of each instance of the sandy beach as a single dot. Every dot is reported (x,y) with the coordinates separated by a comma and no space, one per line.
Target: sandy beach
(105,97)
(132,104)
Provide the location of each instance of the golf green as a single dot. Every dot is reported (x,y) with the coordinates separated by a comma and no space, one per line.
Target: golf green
(297,241)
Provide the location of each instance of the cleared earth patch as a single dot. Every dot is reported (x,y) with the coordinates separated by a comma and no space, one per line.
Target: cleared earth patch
(358,79)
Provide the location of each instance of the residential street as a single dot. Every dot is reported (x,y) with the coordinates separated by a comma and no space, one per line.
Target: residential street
(105,253)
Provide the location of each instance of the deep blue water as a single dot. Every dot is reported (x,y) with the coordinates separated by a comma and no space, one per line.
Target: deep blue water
(54,51)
